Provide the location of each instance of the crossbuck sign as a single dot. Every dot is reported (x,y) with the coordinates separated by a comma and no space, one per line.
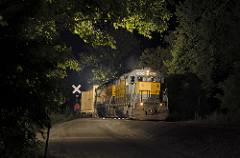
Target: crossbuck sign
(76,89)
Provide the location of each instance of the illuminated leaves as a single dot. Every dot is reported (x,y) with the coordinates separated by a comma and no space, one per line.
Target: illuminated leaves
(89,18)
(146,17)
(90,34)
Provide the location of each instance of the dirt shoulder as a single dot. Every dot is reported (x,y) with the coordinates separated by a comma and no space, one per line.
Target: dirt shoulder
(193,140)
(129,138)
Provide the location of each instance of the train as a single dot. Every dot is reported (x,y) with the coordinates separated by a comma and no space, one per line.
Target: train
(140,94)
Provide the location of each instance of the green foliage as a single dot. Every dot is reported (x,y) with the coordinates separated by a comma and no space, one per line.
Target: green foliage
(86,31)
(186,97)
(106,63)
(200,44)
(34,60)
(155,58)
(87,18)
(231,98)
(145,16)
(205,43)
(33,64)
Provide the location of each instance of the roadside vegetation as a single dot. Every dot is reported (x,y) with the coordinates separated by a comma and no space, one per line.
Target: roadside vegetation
(201,62)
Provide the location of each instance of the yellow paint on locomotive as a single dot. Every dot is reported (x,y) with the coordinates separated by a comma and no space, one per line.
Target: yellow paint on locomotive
(120,93)
(98,99)
(145,87)
(155,88)
(113,90)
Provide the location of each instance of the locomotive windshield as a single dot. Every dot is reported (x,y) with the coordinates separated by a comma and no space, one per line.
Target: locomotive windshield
(148,79)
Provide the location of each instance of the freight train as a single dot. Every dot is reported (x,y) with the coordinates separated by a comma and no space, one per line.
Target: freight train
(140,94)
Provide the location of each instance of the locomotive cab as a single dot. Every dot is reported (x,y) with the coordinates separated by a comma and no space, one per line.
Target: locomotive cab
(150,95)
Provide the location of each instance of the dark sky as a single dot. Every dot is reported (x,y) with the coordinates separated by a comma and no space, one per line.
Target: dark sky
(77,46)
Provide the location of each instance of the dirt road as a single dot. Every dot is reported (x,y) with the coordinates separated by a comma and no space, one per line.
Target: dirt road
(98,138)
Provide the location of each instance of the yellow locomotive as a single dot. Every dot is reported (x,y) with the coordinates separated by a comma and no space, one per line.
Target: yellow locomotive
(139,94)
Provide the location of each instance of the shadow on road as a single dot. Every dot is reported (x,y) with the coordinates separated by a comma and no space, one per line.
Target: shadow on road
(93,138)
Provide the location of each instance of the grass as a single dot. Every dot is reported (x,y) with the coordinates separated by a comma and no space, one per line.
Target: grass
(230,119)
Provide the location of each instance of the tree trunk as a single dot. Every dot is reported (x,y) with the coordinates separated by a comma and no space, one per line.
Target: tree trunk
(46,145)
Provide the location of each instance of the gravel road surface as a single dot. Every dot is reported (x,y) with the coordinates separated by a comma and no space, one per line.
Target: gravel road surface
(104,138)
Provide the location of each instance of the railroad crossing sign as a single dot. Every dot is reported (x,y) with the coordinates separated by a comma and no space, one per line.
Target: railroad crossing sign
(76,89)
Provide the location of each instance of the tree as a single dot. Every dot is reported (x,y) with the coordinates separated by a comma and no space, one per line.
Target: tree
(106,63)
(230,86)
(86,18)
(155,58)
(34,60)
(230,99)
(33,63)
(205,43)
(186,97)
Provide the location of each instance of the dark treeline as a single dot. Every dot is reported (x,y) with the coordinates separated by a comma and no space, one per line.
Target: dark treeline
(201,61)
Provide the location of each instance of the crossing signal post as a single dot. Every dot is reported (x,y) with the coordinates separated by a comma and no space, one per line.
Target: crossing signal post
(77,93)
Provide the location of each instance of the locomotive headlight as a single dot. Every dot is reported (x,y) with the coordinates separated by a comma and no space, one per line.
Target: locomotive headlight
(147,72)
(141,103)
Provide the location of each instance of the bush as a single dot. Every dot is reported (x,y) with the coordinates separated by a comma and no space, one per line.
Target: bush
(187,99)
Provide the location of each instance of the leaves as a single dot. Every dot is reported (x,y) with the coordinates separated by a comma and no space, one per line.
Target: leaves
(230,100)
(204,44)
(198,45)
(155,58)
(145,16)
(34,59)
(106,63)
(33,65)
